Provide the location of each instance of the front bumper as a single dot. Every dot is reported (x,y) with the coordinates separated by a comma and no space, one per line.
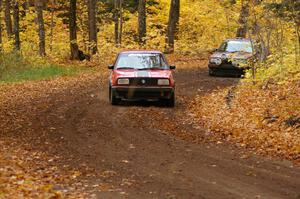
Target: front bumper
(227,69)
(143,93)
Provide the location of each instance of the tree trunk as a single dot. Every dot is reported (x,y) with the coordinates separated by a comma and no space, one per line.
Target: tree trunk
(116,20)
(243,19)
(0,25)
(25,6)
(173,24)
(17,25)
(52,25)
(73,32)
(41,30)
(8,21)
(142,21)
(92,23)
(296,19)
(121,22)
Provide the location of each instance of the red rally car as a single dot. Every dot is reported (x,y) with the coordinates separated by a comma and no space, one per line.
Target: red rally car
(141,75)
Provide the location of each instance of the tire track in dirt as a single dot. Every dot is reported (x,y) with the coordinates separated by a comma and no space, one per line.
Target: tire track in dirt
(144,159)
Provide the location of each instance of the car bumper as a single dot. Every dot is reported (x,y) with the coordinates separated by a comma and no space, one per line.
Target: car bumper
(145,93)
(227,69)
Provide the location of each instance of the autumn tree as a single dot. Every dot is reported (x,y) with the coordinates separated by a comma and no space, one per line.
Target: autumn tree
(0,25)
(8,21)
(16,25)
(173,24)
(41,29)
(289,10)
(295,15)
(118,20)
(73,32)
(92,24)
(52,9)
(142,21)
(25,6)
(121,22)
(244,14)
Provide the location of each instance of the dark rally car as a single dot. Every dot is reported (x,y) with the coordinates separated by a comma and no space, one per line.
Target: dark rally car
(233,57)
(141,75)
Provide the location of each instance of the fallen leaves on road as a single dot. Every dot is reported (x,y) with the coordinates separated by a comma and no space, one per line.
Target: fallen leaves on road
(25,174)
(29,173)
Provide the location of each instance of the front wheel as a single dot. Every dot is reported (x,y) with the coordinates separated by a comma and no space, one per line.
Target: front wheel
(211,72)
(112,97)
(170,102)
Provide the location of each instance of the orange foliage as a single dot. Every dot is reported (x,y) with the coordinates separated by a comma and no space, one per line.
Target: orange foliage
(266,119)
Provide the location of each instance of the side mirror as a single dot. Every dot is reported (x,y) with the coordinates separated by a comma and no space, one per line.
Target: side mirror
(111,67)
(172,67)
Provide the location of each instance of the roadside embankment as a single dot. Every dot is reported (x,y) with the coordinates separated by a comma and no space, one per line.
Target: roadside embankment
(265,118)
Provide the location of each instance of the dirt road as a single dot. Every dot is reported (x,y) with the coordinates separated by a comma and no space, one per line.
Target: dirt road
(142,150)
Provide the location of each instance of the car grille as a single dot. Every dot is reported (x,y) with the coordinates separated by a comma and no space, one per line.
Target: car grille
(226,61)
(143,81)
(143,94)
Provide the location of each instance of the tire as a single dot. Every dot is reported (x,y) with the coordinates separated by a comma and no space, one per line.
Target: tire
(112,97)
(211,72)
(170,102)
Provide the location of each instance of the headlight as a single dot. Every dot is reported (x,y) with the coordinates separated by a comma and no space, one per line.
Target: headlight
(123,81)
(216,61)
(163,82)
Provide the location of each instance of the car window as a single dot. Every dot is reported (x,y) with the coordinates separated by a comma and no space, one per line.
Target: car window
(223,47)
(239,46)
(141,61)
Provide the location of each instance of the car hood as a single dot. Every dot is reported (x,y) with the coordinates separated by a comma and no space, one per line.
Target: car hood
(143,73)
(229,55)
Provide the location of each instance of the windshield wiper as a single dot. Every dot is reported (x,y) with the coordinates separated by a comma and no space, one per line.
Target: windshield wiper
(125,68)
(155,68)
(143,68)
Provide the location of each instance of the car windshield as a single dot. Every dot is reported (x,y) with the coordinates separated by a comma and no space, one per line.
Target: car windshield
(236,46)
(141,61)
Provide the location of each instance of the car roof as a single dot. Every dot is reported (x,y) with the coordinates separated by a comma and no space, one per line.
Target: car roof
(141,51)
